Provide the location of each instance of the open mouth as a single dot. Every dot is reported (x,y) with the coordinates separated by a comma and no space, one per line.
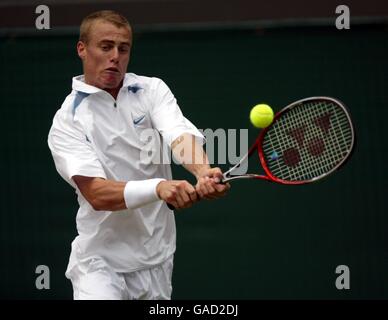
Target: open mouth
(112,69)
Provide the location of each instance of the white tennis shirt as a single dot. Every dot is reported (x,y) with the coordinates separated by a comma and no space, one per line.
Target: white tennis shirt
(95,135)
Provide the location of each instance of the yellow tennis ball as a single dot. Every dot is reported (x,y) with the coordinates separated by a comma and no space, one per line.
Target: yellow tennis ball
(261,115)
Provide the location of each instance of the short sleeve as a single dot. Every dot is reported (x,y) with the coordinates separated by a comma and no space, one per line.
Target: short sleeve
(167,117)
(72,152)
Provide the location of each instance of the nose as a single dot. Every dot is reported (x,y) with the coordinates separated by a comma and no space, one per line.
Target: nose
(115,55)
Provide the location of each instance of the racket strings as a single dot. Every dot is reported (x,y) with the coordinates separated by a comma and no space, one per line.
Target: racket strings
(318,142)
(331,145)
(331,148)
(310,140)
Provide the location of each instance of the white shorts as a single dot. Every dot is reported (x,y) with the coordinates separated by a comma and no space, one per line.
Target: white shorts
(97,281)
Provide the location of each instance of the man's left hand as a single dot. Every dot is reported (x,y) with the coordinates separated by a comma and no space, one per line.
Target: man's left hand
(208,184)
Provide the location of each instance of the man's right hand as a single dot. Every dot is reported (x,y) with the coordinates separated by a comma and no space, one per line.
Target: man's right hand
(179,193)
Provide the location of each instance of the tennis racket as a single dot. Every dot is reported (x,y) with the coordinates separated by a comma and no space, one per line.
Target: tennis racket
(307,141)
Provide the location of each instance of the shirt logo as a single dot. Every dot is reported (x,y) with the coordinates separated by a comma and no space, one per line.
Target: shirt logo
(138,120)
(135,88)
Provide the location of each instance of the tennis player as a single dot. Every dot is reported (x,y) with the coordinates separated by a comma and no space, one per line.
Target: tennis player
(126,232)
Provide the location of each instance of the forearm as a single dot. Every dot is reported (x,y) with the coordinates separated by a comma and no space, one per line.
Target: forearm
(109,195)
(190,154)
(106,195)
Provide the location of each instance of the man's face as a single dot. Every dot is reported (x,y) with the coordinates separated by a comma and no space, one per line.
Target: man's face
(106,55)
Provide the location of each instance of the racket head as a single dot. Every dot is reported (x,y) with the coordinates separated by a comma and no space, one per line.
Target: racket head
(307,141)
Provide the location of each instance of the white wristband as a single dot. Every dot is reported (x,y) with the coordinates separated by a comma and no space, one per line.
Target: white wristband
(140,193)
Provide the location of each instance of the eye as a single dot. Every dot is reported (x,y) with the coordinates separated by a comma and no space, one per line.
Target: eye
(105,47)
(124,49)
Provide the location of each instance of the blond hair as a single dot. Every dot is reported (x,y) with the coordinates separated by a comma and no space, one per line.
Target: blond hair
(113,17)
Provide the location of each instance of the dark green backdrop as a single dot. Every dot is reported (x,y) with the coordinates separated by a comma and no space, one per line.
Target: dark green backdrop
(261,241)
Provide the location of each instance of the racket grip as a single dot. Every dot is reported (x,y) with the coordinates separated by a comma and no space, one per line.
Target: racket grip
(170,206)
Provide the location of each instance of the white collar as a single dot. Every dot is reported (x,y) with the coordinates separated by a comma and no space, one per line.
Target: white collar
(80,85)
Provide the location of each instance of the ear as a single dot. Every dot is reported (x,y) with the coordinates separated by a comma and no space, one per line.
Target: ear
(81,49)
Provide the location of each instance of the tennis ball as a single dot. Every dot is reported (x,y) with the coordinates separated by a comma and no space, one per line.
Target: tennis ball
(261,115)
